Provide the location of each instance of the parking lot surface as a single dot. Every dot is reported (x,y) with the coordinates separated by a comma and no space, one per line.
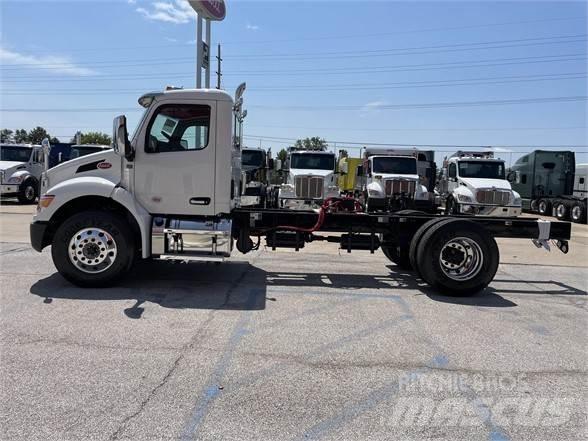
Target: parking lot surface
(318,344)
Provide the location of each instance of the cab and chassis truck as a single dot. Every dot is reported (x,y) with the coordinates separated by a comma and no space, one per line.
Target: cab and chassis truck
(172,193)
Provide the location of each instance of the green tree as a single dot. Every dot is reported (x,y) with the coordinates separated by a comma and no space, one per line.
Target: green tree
(314,143)
(37,135)
(6,135)
(282,155)
(21,136)
(95,138)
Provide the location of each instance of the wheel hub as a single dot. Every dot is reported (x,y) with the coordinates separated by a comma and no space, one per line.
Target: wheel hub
(576,212)
(92,250)
(461,258)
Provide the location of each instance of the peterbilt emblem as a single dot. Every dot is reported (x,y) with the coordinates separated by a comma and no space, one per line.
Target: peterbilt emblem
(104,165)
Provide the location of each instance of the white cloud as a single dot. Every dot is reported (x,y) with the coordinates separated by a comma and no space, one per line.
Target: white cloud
(178,12)
(251,27)
(171,40)
(131,2)
(500,149)
(46,63)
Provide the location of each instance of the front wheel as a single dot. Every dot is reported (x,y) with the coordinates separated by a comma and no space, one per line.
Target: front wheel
(27,193)
(93,248)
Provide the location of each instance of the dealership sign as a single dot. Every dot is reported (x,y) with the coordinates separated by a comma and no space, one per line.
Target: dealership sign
(209,9)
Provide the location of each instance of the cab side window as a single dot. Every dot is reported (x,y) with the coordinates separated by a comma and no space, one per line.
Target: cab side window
(38,156)
(178,128)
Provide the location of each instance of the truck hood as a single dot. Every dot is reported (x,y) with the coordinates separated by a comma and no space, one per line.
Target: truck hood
(88,166)
(479,183)
(306,172)
(386,176)
(5,165)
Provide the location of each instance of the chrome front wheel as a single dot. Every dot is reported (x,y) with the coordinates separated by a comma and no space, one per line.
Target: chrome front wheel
(92,250)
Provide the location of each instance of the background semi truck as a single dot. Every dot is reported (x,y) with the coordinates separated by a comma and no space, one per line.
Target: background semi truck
(396,179)
(173,194)
(255,168)
(310,179)
(348,181)
(475,183)
(550,183)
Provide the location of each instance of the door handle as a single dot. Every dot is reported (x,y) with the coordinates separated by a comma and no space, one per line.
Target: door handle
(199,201)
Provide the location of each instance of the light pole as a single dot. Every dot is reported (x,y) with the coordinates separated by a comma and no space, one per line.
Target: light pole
(207,10)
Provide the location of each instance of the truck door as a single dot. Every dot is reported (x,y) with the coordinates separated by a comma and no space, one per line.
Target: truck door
(175,162)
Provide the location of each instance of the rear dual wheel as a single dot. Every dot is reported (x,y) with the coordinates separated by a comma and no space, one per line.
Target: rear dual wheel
(457,257)
(578,212)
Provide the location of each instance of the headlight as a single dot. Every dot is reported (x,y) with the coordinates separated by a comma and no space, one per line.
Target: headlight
(464,198)
(517,201)
(373,192)
(15,180)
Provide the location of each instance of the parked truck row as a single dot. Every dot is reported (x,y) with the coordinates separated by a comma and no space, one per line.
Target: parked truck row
(173,192)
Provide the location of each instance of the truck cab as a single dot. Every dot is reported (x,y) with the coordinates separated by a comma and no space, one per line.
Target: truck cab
(311,179)
(255,165)
(166,192)
(475,183)
(391,180)
(21,166)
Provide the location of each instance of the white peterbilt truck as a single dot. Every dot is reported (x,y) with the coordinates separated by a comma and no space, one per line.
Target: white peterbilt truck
(311,178)
(394,179)
(21,166)
(475,183)
(172,193)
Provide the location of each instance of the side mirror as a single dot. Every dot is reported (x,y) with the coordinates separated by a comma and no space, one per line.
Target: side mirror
(359,170)
(452,173)
(120,137)
(270,164)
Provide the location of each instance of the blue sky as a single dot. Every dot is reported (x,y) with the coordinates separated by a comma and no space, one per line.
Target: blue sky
(347,71)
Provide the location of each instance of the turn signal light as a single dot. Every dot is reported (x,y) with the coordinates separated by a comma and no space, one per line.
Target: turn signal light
(45,201)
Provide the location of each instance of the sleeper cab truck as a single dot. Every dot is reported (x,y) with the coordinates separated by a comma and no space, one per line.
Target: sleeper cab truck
(551,184)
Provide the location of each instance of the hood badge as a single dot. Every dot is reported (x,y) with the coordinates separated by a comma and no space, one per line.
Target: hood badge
(104,165)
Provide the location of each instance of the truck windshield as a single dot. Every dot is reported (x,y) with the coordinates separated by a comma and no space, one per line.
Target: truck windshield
(395,165)
(14,153)
(481,169)
(252,158)
(313,161)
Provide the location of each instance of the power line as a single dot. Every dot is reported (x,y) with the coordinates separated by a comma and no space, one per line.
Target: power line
(480,103)
(405,144)
(557,99)
(421,129)
(314,55)
(241,43)
(357,86)
(331,71)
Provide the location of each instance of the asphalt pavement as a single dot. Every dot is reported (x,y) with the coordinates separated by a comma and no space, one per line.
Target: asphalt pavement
(318,344)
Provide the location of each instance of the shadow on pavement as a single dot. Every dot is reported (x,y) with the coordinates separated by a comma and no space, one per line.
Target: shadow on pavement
(231,286)
(242,286)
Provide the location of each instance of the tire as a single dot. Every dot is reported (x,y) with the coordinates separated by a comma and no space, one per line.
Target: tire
(27,192)
(544,207)
(444,244)
(108,238)
(578,213)
(416,239)
(562,210)
(399,254)
(533,206)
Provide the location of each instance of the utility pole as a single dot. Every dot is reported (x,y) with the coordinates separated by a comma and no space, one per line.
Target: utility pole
(207,61)
(199,54)
(218,67)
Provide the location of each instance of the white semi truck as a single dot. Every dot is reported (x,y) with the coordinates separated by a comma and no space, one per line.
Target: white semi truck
(172,193)
(475,183)
(395,179)
(21,166)
(311,178)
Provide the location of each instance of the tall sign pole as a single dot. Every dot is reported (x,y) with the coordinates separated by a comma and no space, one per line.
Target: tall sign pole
(219,73)
(207,10)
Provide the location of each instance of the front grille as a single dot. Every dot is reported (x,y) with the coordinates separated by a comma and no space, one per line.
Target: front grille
(493,197)
(309,187)
(397,186)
